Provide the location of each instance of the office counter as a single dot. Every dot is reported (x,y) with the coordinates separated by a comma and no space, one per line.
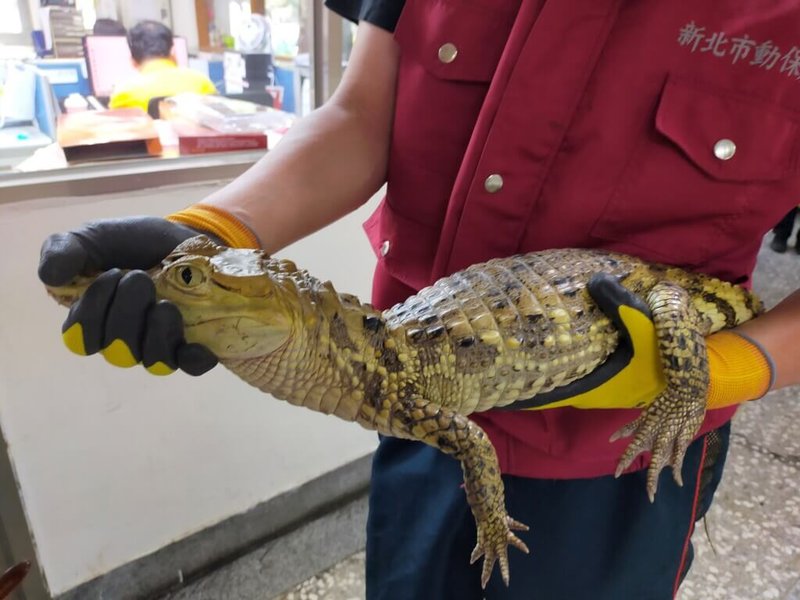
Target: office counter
(125,149)
(124,175)
(114,465)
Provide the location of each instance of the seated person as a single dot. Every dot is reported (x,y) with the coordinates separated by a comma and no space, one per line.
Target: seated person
(159,75)
(108,27)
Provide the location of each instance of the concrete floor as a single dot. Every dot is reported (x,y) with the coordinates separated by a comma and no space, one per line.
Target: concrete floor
(754,524)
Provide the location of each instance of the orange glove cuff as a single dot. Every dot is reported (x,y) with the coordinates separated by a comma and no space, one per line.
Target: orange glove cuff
(219,222)
(740,369)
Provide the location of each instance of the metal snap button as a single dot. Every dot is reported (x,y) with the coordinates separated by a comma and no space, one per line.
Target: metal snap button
(724,149)
(448,53)
(493,183)
(385,247)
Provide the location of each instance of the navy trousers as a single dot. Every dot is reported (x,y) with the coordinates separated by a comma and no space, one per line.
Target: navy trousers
(783,230)
(590,539)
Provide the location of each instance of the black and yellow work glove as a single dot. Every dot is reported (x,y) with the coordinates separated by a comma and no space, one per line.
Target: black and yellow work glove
(632,375)
(118,315)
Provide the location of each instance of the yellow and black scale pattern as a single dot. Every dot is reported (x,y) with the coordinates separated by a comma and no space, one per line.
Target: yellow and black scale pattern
(486,337)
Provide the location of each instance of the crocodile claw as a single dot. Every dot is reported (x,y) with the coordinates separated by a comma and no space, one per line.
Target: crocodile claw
(665,428)
(493,540)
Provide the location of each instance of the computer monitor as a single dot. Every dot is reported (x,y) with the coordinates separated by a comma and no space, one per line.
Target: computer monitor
(108,61)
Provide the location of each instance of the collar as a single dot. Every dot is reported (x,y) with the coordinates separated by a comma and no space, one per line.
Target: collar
(156,64)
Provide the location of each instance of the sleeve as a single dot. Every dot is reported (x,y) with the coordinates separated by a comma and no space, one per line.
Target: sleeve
(382,13)
(123,97)
(207,86)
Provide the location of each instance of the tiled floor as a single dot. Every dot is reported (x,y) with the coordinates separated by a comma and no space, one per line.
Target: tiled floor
(345,581)
(754,524)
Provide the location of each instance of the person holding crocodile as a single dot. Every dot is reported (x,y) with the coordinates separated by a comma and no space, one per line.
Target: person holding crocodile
(502,128)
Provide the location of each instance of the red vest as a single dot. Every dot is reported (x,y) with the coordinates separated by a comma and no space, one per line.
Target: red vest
(664,129)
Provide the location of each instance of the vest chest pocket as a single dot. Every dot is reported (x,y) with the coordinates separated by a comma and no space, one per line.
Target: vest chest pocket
(449,50)
(716,172)
(456,40)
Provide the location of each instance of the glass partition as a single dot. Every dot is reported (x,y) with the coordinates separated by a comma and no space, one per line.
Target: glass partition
(59,116)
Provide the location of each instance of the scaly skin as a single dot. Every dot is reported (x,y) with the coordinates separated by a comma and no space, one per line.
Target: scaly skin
(483,338)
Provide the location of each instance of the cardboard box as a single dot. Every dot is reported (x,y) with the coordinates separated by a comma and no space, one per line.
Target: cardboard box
(97,135)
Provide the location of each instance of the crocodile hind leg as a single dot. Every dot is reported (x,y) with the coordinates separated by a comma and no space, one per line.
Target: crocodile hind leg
(669,424)
(443,428)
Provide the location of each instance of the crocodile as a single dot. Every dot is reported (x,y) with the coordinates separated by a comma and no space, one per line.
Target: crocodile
(486,337)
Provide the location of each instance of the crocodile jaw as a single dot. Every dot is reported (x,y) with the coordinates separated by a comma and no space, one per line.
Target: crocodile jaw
(236,337)
(228,300)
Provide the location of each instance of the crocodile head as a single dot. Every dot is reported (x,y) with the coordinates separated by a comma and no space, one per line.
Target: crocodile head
(235,302)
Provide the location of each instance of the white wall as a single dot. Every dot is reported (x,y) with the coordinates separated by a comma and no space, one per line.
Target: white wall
(141,10)
(32,6)
(184,22)
(113,463)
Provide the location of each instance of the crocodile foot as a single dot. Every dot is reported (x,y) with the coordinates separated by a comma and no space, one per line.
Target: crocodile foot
(665,428)
(494,536)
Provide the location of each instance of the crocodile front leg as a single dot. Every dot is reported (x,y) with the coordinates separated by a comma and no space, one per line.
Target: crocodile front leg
(669,425)
(417,419)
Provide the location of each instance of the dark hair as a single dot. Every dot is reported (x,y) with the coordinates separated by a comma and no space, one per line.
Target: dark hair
(108,27)
(149,39)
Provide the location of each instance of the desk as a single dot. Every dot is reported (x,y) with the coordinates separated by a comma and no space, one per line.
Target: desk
(18,143)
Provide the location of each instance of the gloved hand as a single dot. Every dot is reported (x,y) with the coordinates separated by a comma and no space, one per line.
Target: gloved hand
(118,315)
(632,376)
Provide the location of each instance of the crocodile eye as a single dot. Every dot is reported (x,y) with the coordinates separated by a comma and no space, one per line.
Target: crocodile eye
(190,276)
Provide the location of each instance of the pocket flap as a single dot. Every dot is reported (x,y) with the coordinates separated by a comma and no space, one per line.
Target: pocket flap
(455,40)
(700,120)
(406,247)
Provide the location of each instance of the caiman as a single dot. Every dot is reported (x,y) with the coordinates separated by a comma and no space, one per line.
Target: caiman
(486,337)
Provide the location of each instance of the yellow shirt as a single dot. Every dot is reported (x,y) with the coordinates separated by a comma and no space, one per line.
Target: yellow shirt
(159,77)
